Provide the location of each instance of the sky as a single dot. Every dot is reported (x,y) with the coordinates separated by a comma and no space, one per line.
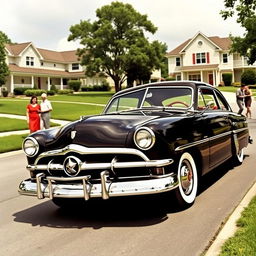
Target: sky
(46,23)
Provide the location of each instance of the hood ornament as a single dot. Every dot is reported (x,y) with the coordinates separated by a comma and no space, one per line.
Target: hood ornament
(72,165)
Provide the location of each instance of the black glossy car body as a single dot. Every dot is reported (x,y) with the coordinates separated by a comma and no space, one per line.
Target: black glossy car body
(150,139)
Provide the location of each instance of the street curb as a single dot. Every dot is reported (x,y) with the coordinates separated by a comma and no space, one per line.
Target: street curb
(230,227)
(12,153)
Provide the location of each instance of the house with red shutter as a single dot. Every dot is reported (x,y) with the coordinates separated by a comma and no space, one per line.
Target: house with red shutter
(206,59)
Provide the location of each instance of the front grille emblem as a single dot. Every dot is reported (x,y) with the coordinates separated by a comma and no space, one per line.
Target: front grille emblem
(72,165)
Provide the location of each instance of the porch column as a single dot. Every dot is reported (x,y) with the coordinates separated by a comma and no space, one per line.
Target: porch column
(32,82)
(12,84)
(201,75)
(61,83)
(182,76)
(214,77)
(48,83)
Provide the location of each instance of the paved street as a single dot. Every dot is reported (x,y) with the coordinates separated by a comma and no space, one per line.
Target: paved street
(118,227)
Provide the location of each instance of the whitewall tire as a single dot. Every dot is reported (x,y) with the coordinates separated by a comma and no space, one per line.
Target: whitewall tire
(188,180)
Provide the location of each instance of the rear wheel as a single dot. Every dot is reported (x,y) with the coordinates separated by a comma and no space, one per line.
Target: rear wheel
(188,181)
(239,157)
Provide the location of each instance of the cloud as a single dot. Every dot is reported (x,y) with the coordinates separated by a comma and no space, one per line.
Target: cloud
(46,23)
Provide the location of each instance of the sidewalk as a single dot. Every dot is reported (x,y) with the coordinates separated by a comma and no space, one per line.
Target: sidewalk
(60,122)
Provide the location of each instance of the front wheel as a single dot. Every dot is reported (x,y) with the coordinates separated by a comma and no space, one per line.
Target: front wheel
(188,181)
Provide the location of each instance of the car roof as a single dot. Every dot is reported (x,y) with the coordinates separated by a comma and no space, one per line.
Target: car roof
(192,84)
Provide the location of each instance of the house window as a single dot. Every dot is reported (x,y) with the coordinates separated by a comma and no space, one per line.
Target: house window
(225,58)
(54,65)
(178,61)
(75,66)
(29,61)
(194,77)
(200,58)
(42,63)
(178,77)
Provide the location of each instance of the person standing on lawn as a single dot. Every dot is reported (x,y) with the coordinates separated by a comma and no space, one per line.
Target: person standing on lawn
(240,98)
(248,101)
(46,108)
(33,117)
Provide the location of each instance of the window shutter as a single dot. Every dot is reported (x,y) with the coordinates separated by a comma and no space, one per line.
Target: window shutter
(208,57)
(194,58)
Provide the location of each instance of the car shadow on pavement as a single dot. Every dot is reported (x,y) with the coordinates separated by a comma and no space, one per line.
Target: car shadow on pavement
(115,212)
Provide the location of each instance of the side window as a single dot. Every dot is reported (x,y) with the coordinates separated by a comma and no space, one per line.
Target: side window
(222,104)
(207,99)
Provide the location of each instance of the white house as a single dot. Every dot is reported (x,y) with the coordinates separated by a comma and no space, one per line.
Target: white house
(34,67)
(205,59)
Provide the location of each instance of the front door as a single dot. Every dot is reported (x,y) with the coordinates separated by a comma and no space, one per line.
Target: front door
(39,83)
(211,79)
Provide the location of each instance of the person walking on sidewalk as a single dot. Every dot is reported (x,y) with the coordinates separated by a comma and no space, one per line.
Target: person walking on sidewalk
(46,108)
(33,117)
(240,98)
(248,101)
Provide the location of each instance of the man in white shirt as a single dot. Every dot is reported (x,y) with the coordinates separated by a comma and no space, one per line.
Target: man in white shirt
(46,108)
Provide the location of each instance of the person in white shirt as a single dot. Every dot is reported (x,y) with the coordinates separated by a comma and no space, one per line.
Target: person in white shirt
(46,108)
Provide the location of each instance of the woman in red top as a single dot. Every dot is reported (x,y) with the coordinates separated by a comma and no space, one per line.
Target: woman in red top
(33,117)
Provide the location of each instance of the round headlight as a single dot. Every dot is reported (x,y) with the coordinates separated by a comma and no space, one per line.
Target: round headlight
(30,146)
(144,138)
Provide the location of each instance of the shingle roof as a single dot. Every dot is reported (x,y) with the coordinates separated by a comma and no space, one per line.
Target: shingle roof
(224,43)
(16,49)
(16,69)
(49,55)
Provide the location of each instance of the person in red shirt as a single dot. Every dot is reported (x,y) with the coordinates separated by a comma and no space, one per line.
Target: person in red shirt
(33,117)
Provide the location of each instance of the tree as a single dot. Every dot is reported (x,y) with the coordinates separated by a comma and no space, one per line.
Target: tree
(4,70)
(111,43)
(245,10)
(248,77)
(4,38)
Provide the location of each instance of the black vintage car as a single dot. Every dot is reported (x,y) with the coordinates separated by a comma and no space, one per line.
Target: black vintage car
(150,139)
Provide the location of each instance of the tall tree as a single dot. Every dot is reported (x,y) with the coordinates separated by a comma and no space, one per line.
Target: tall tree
(245,10)
(111,42)
(4,70)
(4,38)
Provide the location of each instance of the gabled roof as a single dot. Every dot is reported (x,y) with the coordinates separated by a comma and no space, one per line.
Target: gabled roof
(48,55)
(222,43)
(17,49)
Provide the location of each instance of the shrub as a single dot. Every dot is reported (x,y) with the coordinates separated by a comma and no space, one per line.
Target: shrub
(103,87)
(53,88)
(65,91)
(74,85)
(227,79)
(32,92)
(170,78)
(51,92)
(20,90)
(248,77)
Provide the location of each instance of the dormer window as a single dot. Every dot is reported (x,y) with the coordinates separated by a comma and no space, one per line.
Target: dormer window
(75,66)
(29,61)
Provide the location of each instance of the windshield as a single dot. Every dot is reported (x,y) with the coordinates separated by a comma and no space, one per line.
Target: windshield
(172,97)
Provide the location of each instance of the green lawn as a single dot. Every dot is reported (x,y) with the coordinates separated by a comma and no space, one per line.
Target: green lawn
(233,89)
(9,124)
(63,111)
(12,142)
(244,241)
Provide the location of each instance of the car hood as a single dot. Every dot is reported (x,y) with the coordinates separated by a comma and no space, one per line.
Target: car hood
(107,130)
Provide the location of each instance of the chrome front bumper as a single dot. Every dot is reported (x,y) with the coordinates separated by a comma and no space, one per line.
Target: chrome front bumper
(105,189)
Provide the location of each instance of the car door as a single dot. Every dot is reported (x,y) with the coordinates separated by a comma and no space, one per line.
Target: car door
(219,127)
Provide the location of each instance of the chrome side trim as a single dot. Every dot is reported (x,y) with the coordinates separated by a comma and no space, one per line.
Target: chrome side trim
(54,189)
(192,144)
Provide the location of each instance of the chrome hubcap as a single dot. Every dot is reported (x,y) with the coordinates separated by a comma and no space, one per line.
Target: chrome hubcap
(186,176)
